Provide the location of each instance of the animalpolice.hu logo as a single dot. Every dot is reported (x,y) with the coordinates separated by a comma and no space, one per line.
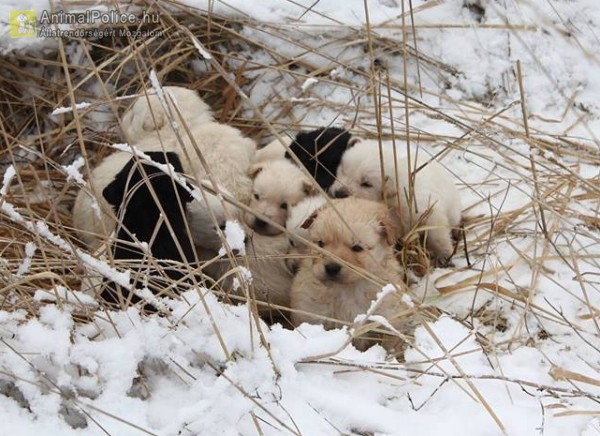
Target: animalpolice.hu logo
(22,23)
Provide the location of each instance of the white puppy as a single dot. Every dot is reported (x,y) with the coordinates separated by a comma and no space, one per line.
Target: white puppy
(266,259)
(434,201)
(147,115)
(278,186)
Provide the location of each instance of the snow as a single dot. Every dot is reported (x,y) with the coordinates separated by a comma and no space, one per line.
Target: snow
(235,237)
(30,248)
(73,170)
(63,110)
(529,366)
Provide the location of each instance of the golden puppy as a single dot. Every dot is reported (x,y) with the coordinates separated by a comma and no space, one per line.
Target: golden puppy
(278,186)
(330,288)
(433,202)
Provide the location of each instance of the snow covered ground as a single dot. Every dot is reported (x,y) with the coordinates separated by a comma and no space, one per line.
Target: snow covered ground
(518,348)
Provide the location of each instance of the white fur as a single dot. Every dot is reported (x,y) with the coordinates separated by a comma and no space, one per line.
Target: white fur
(273,151)
(265,257)
(434,188)
(146,115)
(204,218)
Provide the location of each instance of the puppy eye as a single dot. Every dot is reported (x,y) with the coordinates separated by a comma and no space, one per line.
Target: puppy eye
(284,206)
(222,227)
(366,184)
(256,196)
(357,248)
(320,244)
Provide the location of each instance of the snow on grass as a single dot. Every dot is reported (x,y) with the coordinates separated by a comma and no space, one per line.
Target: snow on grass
(30,248)
(522,326)
(73,170)
(64,110)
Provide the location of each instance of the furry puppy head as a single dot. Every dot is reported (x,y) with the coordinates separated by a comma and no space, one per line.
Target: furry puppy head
(147,116)
(320,151)
(278,186)
(366,242)
(359,172)
(140,193)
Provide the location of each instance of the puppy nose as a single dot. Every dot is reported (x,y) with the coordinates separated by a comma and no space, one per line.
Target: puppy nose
(332,269)
(260,223)
(341,193)
(235,251)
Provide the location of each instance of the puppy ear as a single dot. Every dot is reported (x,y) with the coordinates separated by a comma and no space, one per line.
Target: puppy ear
(389,183)
(154,119)
(114,192)
(388,228)
(352,142)
(254,170)
(308,222)
(309,188)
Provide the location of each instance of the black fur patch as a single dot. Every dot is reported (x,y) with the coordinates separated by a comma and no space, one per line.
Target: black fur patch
(131,195)
(320,151)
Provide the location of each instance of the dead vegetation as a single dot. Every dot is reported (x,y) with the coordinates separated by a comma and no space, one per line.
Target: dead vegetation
(559,204)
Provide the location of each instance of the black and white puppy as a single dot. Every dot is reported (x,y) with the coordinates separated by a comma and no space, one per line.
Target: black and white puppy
(320,151)
(151,207)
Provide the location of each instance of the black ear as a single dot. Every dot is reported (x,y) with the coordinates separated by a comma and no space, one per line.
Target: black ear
(115,190)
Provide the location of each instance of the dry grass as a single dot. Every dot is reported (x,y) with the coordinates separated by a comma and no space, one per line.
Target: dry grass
(39,144)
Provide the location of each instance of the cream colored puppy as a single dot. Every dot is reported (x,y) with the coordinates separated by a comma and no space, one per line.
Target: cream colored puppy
(147,115)
(266,259)
(434,201)
(326,287)
(278,186)
(274,150)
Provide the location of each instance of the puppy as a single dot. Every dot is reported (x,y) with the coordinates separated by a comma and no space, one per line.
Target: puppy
(211,146)
(151,207)
(147,115)
(266,259)
(320,151)
(277,187)
(434,202)
(297,216)
(94,220)
(326,287)
(225,151)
